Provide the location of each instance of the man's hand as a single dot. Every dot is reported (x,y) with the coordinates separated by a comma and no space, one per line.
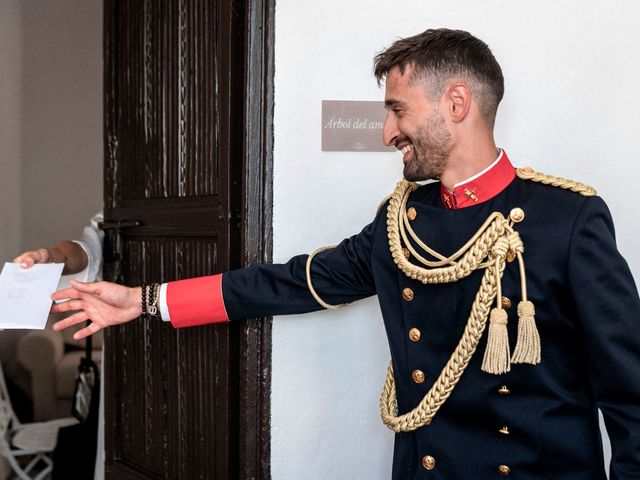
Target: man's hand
(104,303)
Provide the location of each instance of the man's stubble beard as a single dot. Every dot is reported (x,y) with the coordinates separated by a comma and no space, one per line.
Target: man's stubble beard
(431,148)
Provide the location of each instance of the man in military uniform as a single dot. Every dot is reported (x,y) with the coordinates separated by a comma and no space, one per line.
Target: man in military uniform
(470,394)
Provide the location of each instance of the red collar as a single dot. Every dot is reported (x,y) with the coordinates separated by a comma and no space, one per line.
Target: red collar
(481,187)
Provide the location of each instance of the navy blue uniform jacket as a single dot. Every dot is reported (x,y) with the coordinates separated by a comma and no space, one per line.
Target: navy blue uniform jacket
(587,312)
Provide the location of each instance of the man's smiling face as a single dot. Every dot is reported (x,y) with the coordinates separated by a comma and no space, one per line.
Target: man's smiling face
(415,126)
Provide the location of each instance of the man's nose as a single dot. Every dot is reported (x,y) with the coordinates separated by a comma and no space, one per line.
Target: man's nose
(390,131)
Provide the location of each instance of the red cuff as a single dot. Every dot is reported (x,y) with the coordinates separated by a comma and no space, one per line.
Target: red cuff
(196,301)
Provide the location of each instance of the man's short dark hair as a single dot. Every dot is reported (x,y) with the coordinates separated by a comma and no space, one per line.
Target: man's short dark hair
(440,56)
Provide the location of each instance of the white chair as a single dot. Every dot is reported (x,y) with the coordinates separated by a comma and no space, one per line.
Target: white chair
(27,446)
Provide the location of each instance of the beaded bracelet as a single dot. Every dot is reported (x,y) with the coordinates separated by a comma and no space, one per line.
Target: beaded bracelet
(149,300)
(144,299)
(153,299)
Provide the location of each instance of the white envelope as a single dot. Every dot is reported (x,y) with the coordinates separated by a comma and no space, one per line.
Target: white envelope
(25,295)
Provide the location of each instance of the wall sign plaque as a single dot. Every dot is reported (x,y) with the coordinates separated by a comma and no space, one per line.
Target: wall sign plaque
(353,126)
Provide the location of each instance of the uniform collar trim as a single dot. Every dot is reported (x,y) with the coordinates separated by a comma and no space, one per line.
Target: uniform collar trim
(481,187)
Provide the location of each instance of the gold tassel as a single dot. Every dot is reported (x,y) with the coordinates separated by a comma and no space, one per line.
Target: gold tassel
(528,345)
(497,356)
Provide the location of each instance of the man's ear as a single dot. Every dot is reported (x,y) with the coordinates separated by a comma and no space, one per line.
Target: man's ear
(458,101)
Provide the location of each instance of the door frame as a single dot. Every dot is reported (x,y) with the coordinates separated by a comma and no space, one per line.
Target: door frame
(256,238)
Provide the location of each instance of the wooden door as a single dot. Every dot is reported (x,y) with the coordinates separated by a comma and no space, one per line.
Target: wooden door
(188,144)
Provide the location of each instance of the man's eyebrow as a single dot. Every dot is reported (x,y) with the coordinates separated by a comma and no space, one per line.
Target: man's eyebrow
(391,103)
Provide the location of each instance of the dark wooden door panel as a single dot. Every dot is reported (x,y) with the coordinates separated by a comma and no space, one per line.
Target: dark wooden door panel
(170,390)
(188,105)
(170,97)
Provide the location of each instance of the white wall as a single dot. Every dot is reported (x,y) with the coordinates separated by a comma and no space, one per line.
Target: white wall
(61,118)
(10,122)
(50,120)
(571,108)
(50,125)
(10,144)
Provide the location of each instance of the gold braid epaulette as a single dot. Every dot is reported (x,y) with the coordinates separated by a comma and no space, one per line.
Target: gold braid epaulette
(528,173)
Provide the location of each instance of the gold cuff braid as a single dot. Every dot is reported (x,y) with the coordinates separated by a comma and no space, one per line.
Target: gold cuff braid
(315,295)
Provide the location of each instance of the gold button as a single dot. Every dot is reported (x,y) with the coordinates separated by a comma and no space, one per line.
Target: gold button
(517,215)
(505,431)
(411,213)
(414,334)
(503,390)
(504,470)
(406,253)
(428,462)
(511,256)
(418,376)
(407,294)
(506,303)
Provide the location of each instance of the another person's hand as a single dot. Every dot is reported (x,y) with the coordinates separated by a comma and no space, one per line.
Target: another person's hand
(70,253)
(30,258)
(105,303)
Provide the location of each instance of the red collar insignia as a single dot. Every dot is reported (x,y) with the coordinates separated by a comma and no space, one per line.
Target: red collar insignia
(482,187)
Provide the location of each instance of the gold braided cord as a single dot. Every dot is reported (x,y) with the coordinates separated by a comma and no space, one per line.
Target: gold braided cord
(490,244)
(384,200)
(488,248)
(315,295)
(452,371)
(529,173)
(405,227)
(462,263)
(523,278)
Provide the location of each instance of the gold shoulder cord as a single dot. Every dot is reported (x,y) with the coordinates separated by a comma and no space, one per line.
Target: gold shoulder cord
(495,243)
(528,173)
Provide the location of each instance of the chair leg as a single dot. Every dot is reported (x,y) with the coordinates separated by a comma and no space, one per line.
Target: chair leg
(24,473)
(44,472)
(15,466)
(34,461)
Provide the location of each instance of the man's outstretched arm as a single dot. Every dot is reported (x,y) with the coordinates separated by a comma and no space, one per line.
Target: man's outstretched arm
(339,275)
